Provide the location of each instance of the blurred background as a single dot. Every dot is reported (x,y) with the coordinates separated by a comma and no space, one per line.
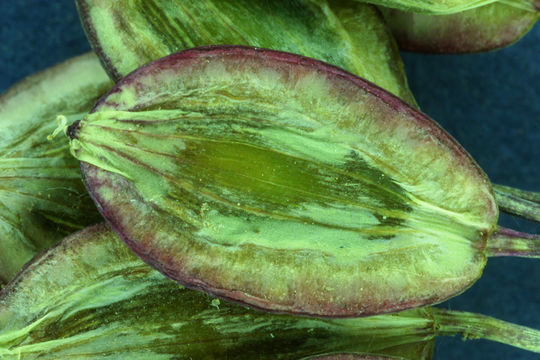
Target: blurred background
(489,102)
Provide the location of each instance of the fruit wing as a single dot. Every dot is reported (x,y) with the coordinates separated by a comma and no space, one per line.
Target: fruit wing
(285,183)
(127,34)
(91,297)
(484,28)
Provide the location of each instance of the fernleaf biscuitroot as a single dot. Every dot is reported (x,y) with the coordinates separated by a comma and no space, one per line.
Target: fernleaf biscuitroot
(286,184)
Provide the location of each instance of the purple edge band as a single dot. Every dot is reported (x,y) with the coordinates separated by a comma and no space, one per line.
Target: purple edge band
(39,258)
(393,101)
(84,16)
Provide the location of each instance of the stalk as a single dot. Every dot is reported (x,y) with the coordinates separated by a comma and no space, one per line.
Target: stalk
(507,242)
(476,326)
(525,204)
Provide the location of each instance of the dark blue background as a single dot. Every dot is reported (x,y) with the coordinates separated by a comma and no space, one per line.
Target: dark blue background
(488,102)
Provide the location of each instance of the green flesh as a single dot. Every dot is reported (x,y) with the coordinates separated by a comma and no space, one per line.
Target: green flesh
(484,28)
(128,34)
(91,298)
(42,197)
(279,182)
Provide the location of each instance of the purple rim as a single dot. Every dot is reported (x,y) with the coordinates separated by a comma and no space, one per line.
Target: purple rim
(208,51)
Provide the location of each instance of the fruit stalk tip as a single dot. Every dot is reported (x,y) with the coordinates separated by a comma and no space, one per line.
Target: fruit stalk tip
(476,326)
(508,242)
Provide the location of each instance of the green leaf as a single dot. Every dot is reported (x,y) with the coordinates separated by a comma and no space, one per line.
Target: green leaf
(286,184)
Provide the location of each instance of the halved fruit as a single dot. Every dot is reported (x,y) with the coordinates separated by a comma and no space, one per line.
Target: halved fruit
(286,184)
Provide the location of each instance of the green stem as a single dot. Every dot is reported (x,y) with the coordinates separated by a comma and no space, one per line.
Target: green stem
(525,204)
(507,242)
(476,326)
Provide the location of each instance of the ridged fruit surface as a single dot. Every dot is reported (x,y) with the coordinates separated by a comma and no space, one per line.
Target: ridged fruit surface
(127,34)
(90,297)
